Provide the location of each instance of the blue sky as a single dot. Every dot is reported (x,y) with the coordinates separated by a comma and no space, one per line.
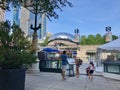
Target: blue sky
(89,16)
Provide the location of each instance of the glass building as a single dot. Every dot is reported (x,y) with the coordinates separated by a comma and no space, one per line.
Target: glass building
(16,10)
(27,19)
(43,26)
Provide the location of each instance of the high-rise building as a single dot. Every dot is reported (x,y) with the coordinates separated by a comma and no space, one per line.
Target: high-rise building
(25,21)
(39,22)
(16,10)
(2,15)
(43,26)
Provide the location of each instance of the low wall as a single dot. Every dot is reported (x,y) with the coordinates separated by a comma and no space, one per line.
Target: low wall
(112,76)
(111,69)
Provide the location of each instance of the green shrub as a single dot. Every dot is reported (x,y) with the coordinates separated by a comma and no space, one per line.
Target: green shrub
(15,48)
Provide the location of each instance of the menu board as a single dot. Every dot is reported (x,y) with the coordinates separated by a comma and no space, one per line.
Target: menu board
(71,61)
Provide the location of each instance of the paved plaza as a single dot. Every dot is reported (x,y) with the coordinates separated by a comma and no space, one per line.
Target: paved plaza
(53,81)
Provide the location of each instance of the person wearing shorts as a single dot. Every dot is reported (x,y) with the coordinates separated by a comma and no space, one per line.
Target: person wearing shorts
(63,67)
(64,64)
(91,71)
(77,66)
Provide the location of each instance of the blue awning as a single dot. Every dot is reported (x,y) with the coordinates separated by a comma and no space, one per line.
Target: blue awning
(50,50)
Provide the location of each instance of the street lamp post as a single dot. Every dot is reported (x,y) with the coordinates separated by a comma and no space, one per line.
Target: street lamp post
(35,28)
(34,8)
(35,66)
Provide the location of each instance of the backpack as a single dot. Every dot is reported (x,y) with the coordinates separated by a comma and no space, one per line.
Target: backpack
(80,62)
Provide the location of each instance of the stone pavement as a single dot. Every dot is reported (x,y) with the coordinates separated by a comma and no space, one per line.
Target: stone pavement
(53,81)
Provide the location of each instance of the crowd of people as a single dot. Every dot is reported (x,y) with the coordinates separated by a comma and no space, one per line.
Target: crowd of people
(78,62)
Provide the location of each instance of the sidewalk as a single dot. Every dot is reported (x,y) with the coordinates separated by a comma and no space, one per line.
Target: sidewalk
(98,70)
(53,81)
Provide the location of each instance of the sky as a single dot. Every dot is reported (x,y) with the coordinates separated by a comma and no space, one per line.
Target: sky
(89,16)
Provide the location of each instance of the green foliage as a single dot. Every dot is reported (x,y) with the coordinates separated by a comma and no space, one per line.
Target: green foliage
(114,37)
(83,40)
(94,39)
(98,39)
(15,49)
(42,6)
(90,40)
(3,5)
(45,41)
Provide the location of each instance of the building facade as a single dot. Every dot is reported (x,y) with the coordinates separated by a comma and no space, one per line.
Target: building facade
(43,26)
(2,15)
(87,52)
(16,11)
(27,19)
(66,41)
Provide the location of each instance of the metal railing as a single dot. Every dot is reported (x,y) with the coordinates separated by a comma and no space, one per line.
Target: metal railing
(50,66)
(54,66)
(112,67)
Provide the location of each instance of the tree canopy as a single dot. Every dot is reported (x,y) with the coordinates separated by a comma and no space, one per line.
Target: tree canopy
(38,6)
(94,39)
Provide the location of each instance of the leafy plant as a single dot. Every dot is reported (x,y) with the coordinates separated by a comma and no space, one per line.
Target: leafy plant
(15,48)
(49,7)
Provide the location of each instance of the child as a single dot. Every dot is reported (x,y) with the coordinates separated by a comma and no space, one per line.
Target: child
(91,71)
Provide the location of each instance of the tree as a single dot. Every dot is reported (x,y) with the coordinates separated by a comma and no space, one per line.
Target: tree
(103,40)
(43,6)
(45,41)
(83,40)
(48,7)
(15,49)
(114,37)
(94,39)
(99,39)
(3,5)
(90,40)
